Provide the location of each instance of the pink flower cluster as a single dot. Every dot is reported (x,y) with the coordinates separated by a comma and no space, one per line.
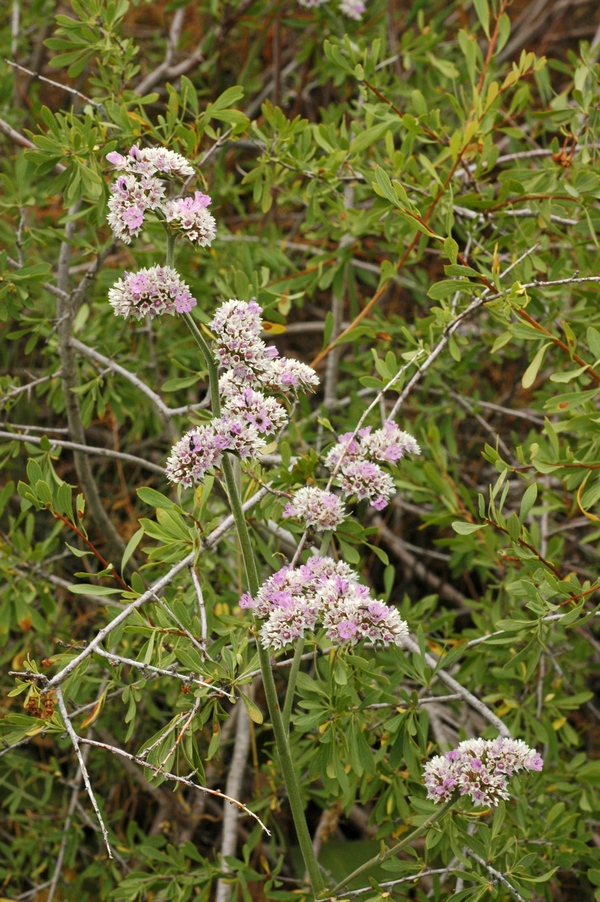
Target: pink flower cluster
(479,768)
(138,190)
(356,461)
(326,592)
(189,216)
(238,348)
(247,414)
(151,292)
(316,507)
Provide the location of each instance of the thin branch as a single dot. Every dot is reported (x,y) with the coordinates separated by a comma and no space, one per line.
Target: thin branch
(201,611)
(167,69)
(114,658)
(55,84)
(185,781)
(93,450)
(76,740)
(67,825)
(164,409)
(453,684)
(497,875)
(235,779)
(150,594)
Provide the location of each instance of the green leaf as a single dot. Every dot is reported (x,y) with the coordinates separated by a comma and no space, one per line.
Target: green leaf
(383,186)
(131,546)
(466,529)
(155,499)
(451,248)
(527,501)
(254,712)
(482,11)
(88,589)
(448,287)
(530,374)
(369,136)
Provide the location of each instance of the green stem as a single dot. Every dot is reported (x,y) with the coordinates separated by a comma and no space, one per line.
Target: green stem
(383,856)
(291,686)
(213,375)
(170,250)
(281,737)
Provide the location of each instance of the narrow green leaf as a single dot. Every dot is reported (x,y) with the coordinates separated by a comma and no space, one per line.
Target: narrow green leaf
(530,374)
(466,529)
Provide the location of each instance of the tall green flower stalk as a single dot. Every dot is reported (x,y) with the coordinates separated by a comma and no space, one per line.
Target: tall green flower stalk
(279,723)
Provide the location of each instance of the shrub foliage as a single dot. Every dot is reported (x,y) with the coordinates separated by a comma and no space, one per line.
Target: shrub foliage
(412,198)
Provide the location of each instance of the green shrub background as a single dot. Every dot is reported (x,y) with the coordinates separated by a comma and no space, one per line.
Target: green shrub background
(412,195)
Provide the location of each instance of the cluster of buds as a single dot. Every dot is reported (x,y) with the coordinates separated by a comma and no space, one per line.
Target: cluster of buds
(248,415)
(327,593)
(480,769)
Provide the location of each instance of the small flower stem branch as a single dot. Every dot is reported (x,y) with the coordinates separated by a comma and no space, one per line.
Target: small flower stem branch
(281,738)
(76,740)
(160,671)
(491,46)
(389,853)
(529,547)
(89,544)
(291,686)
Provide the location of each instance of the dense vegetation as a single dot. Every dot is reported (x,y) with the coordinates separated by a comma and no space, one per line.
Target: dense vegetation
(412,197)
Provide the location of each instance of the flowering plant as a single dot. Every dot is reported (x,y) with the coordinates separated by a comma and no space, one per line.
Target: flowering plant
(306,372)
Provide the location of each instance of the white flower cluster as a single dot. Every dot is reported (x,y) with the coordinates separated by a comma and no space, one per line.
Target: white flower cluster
(354,9)
(247,414)
(479,768)
(151,292)
(297,599)
(317,508)
(356,460)
(138,189)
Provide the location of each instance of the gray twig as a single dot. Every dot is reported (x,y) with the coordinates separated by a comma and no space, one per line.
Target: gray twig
(77,740)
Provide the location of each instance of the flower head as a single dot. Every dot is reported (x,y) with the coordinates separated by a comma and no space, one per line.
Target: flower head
(139,188)
(324,591)
(354,9)
(150,160)
(317,508)
(239,349)
(152,292)
(479,768)
(130,199)
(190,217)
(356,461)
